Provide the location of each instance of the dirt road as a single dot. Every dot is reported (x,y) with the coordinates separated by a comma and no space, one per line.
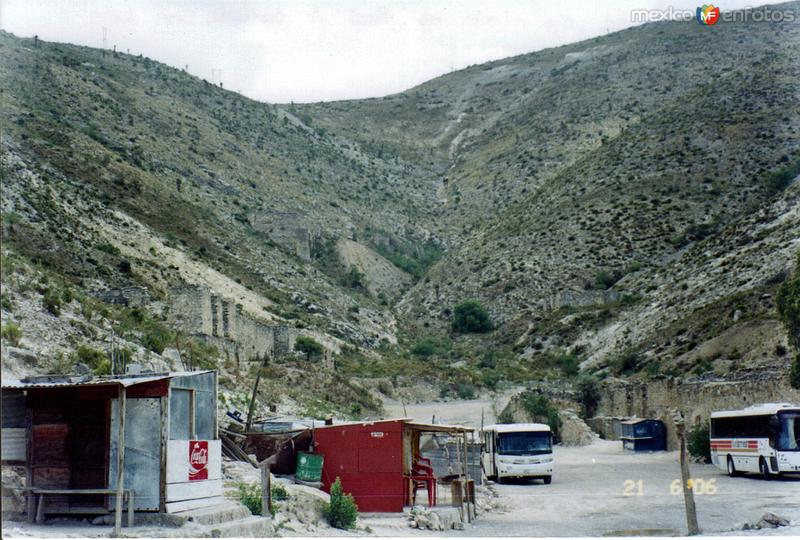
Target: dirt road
(600,488)
(588,497)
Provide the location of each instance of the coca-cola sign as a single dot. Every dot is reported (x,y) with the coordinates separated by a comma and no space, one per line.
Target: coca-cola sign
(198,460)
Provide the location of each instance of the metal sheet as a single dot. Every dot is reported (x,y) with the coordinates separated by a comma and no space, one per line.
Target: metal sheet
(142,451)
(14,443)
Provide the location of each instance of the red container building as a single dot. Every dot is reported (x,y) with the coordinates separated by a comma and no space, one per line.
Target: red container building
(376,461)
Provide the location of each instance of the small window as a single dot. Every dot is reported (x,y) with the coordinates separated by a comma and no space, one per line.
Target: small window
(181,414)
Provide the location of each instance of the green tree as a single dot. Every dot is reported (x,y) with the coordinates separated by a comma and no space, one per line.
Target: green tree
(699,442)
(788,303)
(588,395)
(308,346)
(540,409)
(342,511)
(470,317)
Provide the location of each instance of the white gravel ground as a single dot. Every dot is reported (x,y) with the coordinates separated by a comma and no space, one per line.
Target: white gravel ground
(587,498)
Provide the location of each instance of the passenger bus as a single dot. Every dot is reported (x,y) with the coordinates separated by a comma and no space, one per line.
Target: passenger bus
(762,439)
(518,451)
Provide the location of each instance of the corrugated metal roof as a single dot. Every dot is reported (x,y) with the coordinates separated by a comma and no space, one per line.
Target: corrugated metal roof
(517,428)
(81,380)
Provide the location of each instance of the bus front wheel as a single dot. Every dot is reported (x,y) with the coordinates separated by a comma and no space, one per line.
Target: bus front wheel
(764,469)
(731,468)
(547,479)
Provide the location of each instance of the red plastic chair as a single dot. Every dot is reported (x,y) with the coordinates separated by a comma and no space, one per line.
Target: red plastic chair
(422,476)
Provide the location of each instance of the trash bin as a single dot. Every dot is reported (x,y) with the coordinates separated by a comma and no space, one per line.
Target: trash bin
(309,467)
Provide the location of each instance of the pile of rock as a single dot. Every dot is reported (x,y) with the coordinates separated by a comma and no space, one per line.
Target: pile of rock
(487,499)
(767,521)
(435,519)
(574,431)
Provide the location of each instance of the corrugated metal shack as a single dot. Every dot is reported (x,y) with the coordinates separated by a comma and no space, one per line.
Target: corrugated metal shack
(66,431)
(376,460)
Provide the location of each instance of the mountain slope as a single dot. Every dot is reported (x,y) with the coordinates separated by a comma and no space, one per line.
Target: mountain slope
(629,196)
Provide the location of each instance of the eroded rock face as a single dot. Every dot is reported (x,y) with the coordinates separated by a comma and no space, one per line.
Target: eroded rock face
(574,431)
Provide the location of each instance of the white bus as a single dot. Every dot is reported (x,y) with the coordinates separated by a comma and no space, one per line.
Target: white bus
(762,439)
(518,451)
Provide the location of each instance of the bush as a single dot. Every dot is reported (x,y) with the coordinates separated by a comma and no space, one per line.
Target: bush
(12,334)
(470,317)
(794,372)
(780,178)
(465,391)
(540,409)
(278,492)
(52,302)
(156,338)
(250,496)
(308,346)
(342,511)
(588,395)
(698,442)
(788,303)
(424,348)
(94,358)
(626,363)
(355,279)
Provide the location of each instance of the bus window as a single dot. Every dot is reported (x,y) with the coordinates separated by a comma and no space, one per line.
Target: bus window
(789,434)
(525,443)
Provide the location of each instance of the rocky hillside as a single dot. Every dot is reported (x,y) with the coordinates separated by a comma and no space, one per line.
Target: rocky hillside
(627,204)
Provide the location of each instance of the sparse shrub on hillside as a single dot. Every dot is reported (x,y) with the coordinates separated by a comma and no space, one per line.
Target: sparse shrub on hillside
(96,359)
(698,442)
(626,363)
(428,347)
(788,303)
(12,333)
(605,279)
(540,409)
(308,346)
(52,302)
(355,279)
(156,338)
(491,379)
(588,388)
(780,178)
(471,317)
(342,511)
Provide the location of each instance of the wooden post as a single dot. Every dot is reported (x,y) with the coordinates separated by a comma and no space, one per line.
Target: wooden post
(120,462)
(688,489)
(266,485)
(162,491)
(266,490)
(466,475)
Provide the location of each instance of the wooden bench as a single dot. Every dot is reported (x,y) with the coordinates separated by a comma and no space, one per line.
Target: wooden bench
(38,510)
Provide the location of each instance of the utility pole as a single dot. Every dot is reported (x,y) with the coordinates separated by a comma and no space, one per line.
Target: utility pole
(105,36)
(688,487)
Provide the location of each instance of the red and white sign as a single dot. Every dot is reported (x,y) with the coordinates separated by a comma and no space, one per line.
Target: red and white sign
(198,460)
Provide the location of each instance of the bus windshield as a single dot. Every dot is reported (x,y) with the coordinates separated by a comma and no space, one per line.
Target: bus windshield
(789,434)
(525,443)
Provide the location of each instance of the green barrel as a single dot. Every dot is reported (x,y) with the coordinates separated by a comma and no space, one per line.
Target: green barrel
(309,467)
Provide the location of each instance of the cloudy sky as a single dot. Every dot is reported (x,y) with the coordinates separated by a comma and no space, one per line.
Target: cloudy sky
(315,50)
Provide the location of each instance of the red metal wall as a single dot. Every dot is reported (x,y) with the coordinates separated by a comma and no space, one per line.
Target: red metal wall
(369,460)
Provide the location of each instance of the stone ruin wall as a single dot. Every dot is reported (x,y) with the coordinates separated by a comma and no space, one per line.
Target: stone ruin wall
(220,322)
(695,399)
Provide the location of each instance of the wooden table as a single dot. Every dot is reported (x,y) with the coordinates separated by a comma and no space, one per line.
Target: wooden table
(38,510)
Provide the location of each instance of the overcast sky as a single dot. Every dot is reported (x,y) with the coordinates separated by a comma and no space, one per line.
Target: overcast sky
(321,50)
